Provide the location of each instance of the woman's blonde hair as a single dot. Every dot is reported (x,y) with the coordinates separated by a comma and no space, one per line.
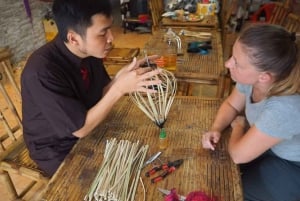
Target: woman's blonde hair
(273,49)
(291,84)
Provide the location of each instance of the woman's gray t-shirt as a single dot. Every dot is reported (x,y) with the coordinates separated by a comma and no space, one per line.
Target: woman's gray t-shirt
(277,116)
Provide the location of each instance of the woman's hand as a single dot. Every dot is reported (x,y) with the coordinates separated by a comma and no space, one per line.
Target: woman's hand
(239,121)
(210,139)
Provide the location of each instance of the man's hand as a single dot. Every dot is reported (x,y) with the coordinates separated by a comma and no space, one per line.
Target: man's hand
(134,78)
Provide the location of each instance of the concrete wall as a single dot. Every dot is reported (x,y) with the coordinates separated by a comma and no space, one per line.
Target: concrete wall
(17,32)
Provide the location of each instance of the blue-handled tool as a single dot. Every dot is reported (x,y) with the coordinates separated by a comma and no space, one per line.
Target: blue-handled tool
(199,47)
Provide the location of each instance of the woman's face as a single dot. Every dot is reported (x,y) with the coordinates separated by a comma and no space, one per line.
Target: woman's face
(98,39)
(239,65)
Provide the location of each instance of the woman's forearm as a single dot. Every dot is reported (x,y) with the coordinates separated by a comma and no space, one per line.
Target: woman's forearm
(224,116)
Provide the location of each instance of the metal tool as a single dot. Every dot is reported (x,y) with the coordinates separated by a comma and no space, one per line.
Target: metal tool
(199,47)
(147,59)
(148,62)
(151,159)
(167,168)
(167,192)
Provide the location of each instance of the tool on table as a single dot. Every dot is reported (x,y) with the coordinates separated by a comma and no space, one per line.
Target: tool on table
(167,192)
(147,59)
(167,168)
(148,63)
(203,36)
(151,159)
(199,47)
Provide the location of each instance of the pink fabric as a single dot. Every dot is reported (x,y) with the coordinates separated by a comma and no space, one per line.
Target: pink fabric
(192,196)
(199,196)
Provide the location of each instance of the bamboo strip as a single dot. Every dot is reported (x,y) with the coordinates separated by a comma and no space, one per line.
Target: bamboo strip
(117,178)
(157,105)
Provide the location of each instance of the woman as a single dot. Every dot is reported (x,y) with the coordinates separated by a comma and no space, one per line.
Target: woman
(266,142)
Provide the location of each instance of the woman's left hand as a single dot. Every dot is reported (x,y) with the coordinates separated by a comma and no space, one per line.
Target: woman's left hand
(239,121)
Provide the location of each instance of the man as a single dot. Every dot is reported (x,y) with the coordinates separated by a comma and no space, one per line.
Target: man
(66,91)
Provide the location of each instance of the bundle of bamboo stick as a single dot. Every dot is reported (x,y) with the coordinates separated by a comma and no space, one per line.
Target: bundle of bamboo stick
(157,105)
(118,176)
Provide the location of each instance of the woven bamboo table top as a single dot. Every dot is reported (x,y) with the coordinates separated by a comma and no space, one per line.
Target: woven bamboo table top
(194,67)
(211,172)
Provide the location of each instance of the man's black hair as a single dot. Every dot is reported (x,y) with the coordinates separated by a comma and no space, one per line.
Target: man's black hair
(76,14)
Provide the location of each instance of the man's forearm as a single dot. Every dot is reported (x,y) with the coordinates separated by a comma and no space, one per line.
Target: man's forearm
(98,113)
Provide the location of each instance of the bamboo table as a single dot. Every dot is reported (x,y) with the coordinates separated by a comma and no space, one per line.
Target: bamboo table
(194,67)
(211,172)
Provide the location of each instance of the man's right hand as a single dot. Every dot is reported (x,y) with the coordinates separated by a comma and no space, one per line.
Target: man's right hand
(134,78)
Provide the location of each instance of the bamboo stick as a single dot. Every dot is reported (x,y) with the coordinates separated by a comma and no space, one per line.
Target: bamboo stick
(157,105)
(118,176)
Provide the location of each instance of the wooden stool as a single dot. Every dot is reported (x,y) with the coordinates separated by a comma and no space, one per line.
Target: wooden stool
(5,55)
(6,68)
(14,156)
(280,12)
(292,23)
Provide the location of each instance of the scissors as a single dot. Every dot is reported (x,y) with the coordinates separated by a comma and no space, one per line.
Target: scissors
(167,192)
(151,159)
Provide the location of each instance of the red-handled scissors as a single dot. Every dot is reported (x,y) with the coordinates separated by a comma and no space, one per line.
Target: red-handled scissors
(167,168)
(167,192)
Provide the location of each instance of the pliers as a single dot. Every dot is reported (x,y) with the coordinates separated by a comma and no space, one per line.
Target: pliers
(167,168)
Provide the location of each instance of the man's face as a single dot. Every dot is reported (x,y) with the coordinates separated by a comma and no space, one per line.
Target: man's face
(98,39)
